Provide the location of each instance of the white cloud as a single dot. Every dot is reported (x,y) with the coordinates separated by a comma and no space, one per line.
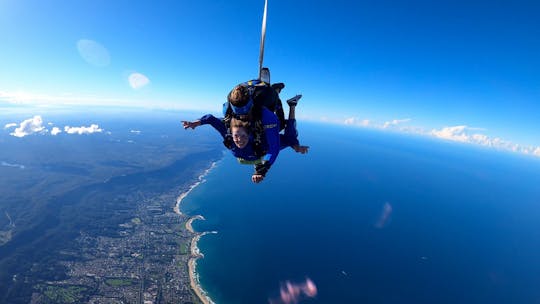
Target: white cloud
(135,132)
(83,130)
(461,133)
(395,122)
(356,122)
(10,125)
(138,80)
(30,126)
(464,134)
(6,164)
(55,131)
(456,133)
(481,139)
(36,125)
(350,121)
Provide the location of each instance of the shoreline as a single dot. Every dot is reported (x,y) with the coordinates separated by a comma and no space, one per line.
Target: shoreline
(192,268)
(189,223)
(183,195)
(195,253)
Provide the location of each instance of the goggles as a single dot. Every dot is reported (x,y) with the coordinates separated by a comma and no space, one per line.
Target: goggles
(243,110)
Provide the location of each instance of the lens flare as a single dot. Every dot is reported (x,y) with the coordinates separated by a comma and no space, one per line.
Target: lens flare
(293,293)
(93,53)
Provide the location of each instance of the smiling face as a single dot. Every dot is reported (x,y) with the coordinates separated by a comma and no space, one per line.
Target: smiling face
(240,136)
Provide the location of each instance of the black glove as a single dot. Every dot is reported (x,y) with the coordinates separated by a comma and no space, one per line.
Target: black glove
(262,168)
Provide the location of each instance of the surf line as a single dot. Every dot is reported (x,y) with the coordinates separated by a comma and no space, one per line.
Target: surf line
(195,252)
(199,180)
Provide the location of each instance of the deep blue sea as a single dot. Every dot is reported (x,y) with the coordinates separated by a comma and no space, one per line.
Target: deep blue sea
(374,217)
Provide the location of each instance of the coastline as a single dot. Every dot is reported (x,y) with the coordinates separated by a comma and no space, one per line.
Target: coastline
(183,195)
(195,253)
(192,268)
(189,223)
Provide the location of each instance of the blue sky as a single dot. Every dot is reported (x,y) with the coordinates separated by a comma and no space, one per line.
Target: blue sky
(422,64)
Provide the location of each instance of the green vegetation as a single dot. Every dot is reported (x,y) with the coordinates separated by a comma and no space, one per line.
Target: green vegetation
(119,282)
(64,294)
(184,248)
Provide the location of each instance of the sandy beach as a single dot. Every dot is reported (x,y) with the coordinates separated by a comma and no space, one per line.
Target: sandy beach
(189,227)
(195,252)
(192,265)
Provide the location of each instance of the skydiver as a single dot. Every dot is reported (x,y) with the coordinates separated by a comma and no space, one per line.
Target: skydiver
(241,137)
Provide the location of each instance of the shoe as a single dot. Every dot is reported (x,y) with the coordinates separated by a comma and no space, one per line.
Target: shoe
(278,86)
(294,101)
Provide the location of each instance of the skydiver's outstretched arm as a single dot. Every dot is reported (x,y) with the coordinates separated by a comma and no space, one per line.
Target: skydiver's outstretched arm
(207,119)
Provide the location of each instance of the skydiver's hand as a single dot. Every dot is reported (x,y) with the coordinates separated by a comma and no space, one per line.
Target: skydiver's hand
(300,149)
(257,178)
(191,124)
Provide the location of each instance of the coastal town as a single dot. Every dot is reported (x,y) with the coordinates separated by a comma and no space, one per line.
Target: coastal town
(148,258)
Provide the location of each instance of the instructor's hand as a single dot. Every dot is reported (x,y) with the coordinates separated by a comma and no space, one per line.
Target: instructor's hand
(257,178)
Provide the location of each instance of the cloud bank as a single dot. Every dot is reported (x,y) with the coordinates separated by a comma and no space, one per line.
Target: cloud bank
(467,134)
(393,124)
(35,125)
(83,130)
(356,121)
(461,133)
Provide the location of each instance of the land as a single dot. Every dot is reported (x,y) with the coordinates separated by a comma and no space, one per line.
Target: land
(91,219)
(141,263)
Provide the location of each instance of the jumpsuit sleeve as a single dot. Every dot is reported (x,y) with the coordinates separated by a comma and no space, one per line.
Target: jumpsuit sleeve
(216,123)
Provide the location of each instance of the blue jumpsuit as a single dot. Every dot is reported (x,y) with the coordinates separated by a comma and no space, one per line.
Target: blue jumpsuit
(274,140)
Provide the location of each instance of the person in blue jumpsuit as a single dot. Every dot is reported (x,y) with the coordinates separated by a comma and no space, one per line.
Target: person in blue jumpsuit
(242,137)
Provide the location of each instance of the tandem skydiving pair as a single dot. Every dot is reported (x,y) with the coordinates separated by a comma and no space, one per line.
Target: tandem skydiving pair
(253,118)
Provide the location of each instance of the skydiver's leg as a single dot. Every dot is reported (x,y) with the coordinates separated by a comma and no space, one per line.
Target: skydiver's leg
(291,133)
(278,105)
(292,112)
(280,114)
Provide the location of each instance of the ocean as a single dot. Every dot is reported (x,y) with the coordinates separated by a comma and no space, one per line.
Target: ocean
(372,217)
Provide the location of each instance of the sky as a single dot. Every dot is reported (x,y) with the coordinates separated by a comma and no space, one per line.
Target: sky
(462,70)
